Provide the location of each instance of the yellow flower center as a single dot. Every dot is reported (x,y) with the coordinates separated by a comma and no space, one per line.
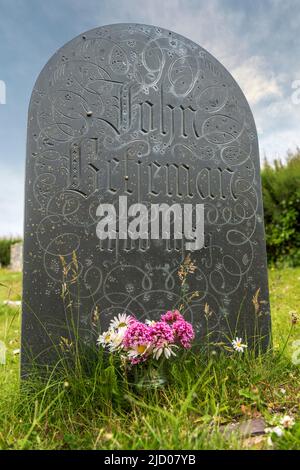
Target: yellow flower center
(141,348)
(122,324)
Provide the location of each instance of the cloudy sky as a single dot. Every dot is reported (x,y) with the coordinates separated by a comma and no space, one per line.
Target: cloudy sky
(257,41)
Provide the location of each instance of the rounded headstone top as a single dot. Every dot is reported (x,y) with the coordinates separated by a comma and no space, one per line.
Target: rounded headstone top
(149,56)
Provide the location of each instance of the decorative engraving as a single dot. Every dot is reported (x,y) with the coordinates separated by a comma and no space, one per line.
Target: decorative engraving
(138,111)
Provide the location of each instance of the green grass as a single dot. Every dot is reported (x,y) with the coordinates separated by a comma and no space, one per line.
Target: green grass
(99,410)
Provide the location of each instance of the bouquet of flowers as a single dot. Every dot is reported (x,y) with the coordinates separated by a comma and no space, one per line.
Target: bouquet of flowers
(136,342)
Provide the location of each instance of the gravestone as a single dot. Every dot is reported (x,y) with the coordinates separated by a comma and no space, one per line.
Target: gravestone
(2,353)
(133,114)
(16,257)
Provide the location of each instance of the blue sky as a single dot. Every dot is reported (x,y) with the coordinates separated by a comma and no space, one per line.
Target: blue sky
(257,41)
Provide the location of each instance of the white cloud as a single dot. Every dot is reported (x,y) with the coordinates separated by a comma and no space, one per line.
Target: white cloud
(257,80)
(210,24)
(276,145)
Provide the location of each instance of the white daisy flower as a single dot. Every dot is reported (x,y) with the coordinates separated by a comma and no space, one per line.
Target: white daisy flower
(166,349)
(287,422)
(238,345)
(150,322)
(121,321)
(112,339)
(105,338)
(116,340)
(139,350)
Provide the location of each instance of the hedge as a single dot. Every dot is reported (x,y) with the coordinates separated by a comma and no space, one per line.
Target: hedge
(5,244)
(281,197)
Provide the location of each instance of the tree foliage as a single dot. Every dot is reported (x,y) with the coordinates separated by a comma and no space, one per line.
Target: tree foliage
(281,196)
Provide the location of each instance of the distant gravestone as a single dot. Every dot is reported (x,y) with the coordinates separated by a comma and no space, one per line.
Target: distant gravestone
(2,353)
(131,114)
(16,257)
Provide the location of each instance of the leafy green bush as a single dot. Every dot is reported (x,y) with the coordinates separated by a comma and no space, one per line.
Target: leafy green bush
(281,196)
(5,244)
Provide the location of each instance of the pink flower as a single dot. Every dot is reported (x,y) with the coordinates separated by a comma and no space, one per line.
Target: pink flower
(137,334)
(184,333)
(137,358)
(172,316)
(137,341)
(161,333)
(162,337)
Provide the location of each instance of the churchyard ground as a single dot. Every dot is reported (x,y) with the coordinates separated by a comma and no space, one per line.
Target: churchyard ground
(191,412)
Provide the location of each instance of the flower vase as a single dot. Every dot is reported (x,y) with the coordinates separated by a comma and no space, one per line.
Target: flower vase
(149,376)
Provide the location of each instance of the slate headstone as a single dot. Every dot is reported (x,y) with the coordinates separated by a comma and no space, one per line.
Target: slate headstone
(136,111)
